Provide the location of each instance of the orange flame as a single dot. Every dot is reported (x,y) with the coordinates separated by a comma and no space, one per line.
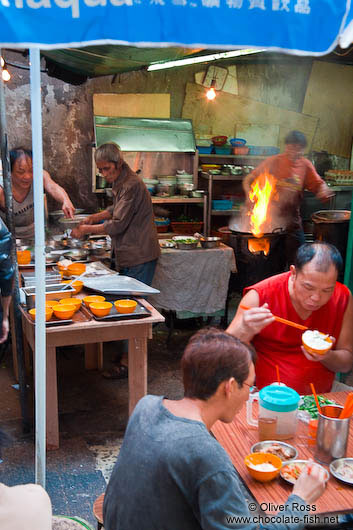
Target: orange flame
(261,244)
(261,192)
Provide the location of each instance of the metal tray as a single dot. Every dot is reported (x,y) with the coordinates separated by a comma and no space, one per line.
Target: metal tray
(140,312)
(52,292)
(120,285)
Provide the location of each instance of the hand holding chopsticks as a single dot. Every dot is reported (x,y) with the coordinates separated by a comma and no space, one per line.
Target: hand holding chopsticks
(283,320)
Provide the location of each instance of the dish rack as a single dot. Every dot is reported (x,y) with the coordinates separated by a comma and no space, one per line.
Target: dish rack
(341,177)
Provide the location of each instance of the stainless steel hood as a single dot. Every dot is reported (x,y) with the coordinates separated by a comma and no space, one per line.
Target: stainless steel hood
(145,134)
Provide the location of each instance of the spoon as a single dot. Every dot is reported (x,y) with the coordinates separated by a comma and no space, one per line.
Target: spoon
(73,281)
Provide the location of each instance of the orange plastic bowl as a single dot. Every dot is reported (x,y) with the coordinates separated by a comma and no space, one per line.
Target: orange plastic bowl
(75,269)
(125,306)
(77,302)
(23,257)
(77,285)
(63,311)
(94,298)
(48,314)
(51,303)
(101,309)
(262,458)
(314,351)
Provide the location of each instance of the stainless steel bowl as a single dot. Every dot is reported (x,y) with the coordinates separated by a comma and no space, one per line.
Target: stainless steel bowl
(210,242)
(260,446)
(76,254)
(334,469)
(185,242)
(71,223)
(51,258)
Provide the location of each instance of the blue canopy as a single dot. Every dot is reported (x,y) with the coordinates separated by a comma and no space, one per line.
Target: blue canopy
(296,26)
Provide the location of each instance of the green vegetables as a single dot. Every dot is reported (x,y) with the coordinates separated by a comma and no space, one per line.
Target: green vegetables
(310,406)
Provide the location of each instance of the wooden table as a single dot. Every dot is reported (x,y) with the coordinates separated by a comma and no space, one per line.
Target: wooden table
(92,334)
(238,437)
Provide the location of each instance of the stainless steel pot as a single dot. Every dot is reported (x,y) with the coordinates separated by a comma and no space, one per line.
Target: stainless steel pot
(210,242)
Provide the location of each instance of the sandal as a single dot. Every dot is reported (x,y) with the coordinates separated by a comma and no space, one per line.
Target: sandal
(119,371)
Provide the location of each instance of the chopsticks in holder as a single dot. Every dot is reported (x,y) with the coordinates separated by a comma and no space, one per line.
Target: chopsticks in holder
(282,320)
(315,397)
(347,410)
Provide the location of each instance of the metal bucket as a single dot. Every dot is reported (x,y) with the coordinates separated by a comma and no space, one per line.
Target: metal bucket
(332,226)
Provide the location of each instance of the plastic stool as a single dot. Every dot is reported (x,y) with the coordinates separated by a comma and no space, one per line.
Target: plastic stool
(98,510)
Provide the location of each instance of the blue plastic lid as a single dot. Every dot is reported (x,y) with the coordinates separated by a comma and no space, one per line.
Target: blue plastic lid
(279,398)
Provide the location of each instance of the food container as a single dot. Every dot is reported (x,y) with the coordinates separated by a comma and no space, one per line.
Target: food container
(223,150)
(279,402)
(71,223)
(77,254)
(332,434)
(186,227)
(256,459)
(77,285)
(210,242)
(291,471)
(63,311)
(76,302)
(76,269)
(221,204)
(203,150)
(242,150)
(342,469)
(185,242)
(237,142)
(162,223)
(23,257)
(52,292)
(125,306)
(322,342)
(281,449)
(93,299)
(48,313)
(101,309)
(219,140)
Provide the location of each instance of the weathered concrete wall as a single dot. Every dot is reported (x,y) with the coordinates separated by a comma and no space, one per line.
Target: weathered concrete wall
(67,110)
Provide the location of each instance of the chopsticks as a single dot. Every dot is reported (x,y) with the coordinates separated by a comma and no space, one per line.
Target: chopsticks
(282,320)
(277,372)
(315,397)
(347,410)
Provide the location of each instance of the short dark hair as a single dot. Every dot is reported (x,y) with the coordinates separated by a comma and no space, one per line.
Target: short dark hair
(324,254)
(211,357)
(17,153)
(109,152)
(297,138)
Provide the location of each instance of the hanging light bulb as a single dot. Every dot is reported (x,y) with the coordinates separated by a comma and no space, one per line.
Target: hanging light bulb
(5,73)
(211,93)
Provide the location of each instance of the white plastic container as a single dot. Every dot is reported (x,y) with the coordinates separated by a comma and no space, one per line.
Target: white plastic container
(279,402)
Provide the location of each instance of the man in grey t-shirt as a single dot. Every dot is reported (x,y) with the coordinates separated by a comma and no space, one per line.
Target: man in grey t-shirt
(171,474)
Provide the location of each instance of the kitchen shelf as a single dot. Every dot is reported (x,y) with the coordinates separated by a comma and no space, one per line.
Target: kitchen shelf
(223,159)
(209,176)
(246,157)
(177,200)
(225,212)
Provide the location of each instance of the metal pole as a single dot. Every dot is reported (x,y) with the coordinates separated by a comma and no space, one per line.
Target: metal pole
(16,293)
(40,337)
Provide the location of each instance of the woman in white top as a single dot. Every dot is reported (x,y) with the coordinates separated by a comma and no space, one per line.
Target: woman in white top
(22,191)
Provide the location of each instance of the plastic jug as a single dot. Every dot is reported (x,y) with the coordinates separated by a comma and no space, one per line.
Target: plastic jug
(279,402)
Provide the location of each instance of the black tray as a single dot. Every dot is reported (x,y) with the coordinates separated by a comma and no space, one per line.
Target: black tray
(140,311)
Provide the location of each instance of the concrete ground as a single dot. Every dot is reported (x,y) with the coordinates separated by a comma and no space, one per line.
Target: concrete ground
(92,416)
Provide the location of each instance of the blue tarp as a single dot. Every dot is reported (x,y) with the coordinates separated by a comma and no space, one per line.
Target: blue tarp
(298,26)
